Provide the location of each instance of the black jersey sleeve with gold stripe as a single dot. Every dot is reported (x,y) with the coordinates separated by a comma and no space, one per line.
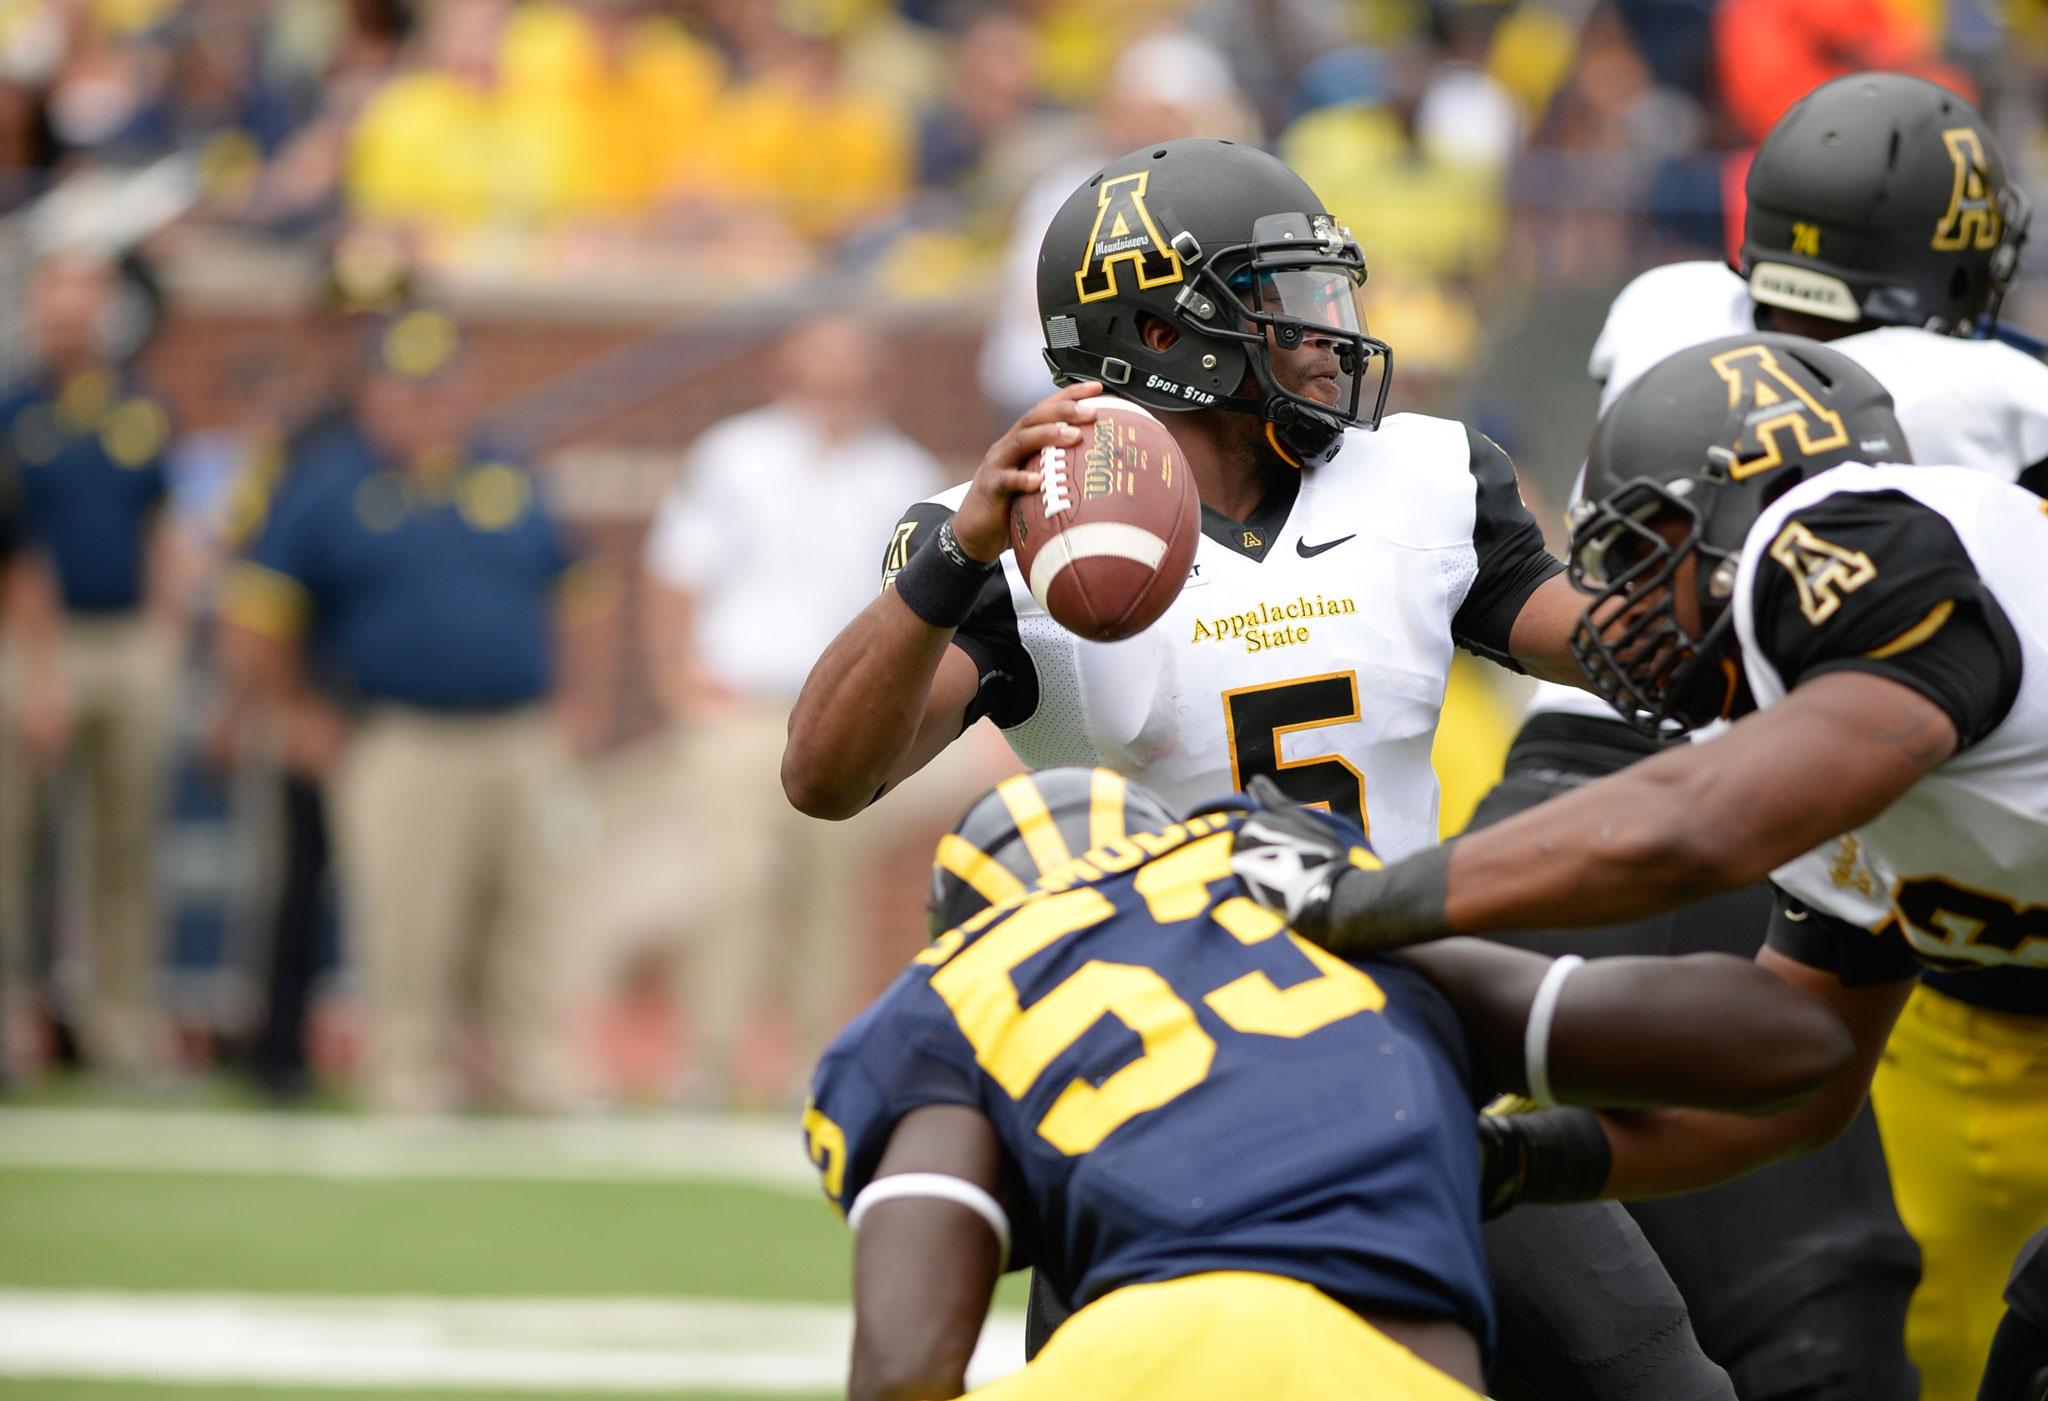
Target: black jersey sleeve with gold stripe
(1877,582)
(1008,692)
(1513,560)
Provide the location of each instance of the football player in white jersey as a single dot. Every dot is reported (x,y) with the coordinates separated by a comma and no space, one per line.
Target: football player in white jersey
(1342,560)
(1883,632)
(1880,219)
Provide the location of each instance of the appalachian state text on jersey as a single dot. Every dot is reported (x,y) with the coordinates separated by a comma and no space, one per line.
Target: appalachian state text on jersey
(1311,642)
(1931,577)
(1181,1085)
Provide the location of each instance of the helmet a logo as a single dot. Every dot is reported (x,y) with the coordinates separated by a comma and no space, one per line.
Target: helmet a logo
(1773,403)
(1821,570)
(1972,219)
(1124,234)
(1806,240)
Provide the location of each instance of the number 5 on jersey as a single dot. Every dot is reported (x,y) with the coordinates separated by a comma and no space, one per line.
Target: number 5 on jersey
(1257,718)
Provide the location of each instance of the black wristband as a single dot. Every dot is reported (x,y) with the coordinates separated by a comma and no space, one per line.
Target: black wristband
(950,546)
(1550,1156)
(937,589)
(1367,911)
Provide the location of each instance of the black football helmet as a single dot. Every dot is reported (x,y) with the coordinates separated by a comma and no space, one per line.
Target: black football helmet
(1681,465)
(1233,250)
(1884,198)
(1028,826)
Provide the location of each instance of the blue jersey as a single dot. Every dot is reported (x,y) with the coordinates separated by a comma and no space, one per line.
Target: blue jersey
(1182,1085)
(91,456)
(438,593)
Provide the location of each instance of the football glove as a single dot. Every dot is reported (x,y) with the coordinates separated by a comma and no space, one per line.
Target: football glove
(1287,860)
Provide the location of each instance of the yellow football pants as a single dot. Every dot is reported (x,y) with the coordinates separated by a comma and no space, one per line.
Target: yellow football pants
(1223,1337)
(1962,1103)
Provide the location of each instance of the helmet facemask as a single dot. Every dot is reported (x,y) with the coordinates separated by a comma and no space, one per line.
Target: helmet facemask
(1636,652)
(1293,285)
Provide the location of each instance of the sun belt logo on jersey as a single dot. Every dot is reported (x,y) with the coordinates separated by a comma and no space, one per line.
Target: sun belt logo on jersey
(1972,219)
(1821,570)
(1124,233)
(1773,401)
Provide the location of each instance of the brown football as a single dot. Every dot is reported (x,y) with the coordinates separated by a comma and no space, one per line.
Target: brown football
(1106,540)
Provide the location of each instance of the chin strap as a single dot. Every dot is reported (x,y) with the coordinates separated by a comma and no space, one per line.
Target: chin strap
(1302,438)
(1279,448)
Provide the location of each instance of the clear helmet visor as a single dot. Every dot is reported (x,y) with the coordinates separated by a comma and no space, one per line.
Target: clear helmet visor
(1292,303)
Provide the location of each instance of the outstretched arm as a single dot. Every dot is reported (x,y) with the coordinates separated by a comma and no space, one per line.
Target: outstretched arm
(1691,822)
(924,1266)
(1705,818)
(1705,1030)
(891,691)
(1662,1152)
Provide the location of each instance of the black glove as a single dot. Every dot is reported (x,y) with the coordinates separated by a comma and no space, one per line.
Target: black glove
(1287,860)
(1546,1155)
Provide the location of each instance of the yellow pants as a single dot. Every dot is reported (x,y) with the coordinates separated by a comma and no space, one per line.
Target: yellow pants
(1223,1337)
(1962,1102)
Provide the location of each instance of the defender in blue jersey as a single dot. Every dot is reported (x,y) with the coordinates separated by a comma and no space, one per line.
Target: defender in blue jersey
(1254,1166)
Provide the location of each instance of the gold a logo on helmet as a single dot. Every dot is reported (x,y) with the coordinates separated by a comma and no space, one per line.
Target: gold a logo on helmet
(1124,233)
(1773,403)
(1971,220)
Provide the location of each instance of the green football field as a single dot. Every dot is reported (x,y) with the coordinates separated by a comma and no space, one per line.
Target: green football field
(154,1255)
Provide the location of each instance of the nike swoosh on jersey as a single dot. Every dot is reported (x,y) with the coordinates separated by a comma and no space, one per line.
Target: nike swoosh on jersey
(1308,551)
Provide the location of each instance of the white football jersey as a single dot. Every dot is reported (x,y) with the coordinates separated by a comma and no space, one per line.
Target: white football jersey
(1964,403)
(1958,866)
(1311,642)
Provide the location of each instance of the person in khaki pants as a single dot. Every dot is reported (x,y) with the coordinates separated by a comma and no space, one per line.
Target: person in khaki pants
(89,443)
(427,577)
(30,626)
(760,553)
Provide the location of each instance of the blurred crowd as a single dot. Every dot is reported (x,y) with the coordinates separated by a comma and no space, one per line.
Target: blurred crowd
(332,612)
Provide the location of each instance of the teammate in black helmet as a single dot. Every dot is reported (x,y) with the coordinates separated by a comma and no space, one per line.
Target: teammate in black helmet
(1882,221)
(1881,199)
(1775,411)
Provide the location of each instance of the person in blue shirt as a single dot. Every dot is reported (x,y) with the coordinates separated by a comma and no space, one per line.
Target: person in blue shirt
(1257,1169)
(90,441)
(429,574)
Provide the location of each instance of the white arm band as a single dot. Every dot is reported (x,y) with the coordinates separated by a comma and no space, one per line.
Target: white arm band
(1536,1037)
(934,1184)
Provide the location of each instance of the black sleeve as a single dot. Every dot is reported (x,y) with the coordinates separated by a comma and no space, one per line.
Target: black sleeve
(1512,557)
(1877,582)
(1853,954)
(1009,683)
(12,525)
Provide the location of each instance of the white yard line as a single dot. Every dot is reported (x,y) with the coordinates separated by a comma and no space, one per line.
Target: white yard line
(762,1151)
(625,1345)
